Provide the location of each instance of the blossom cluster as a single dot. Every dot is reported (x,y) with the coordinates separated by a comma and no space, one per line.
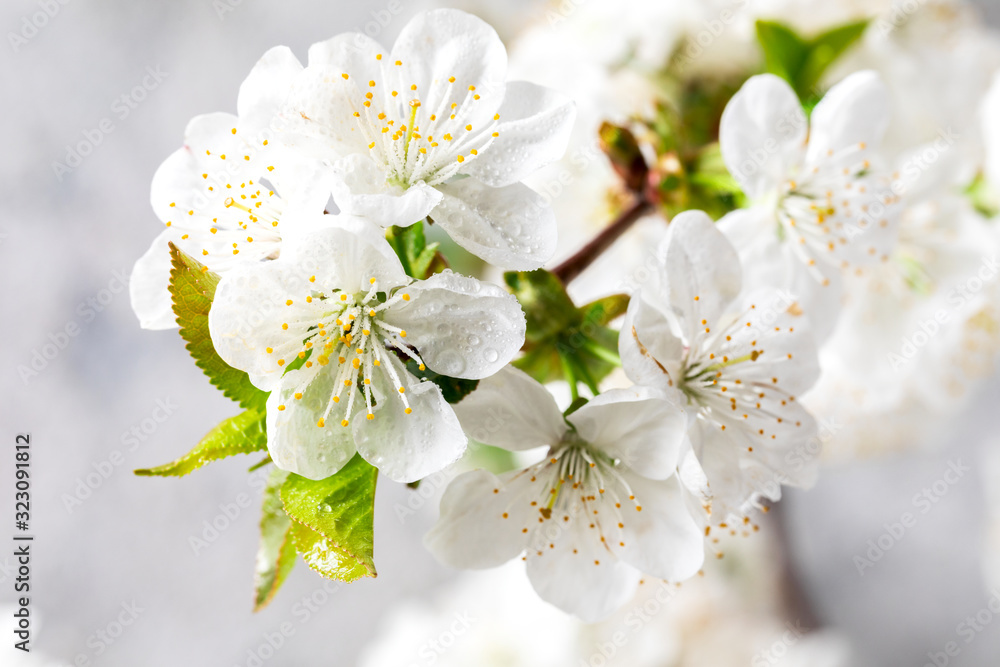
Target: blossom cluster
(310,206)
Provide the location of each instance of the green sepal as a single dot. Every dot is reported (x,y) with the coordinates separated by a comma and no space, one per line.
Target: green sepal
(420,260)
(276,553)
(564,342)
(802,61)
(333,520)
(192,289)
(243,434)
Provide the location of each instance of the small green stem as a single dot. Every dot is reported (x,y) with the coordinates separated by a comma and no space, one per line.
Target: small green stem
(602,353)
(567,368)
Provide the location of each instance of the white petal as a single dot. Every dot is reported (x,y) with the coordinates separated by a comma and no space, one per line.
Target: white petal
(639,426)
(148,286)
(407,447)
(854,111)
(294,440)
(472,531)
(579,575)
(763,134)
(702,273)
(443,43)
(345,255)
(512,227)
(534,128)
(462,327)
(245,319)
(263,91)
(179,181)
(662,540)
(511,410)
(317,117)
(650,352)
(360,189)
(353,53)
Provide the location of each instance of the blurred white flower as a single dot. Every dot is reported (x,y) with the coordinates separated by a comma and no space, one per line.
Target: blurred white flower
(818,207)
(602,507)
(224,195)
(739,365)
(483,619)
(432,128)
(339,300)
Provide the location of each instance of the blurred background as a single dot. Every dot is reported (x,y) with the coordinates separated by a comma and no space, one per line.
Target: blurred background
(130,571)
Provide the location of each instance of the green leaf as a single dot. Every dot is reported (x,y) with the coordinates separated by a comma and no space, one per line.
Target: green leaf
(419,259)
(606,309)
(243,434)
(563,341)
(800,61)
(547,308)
(784,51)
(333,520)
(452,389)
(192,288)
(276,553)
(824,50)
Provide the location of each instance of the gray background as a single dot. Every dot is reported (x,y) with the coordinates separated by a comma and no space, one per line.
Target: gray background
(61,243)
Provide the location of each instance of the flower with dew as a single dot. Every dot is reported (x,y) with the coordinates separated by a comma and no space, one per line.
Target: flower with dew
(602,507)
(337,332)
(738,364)
(431,128)
(819,206)
(223,196)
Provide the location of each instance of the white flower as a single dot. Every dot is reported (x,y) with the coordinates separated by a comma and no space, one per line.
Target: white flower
(338,302)
(818,207)
(222,196)
(739,364)
(603,506)
(432,128)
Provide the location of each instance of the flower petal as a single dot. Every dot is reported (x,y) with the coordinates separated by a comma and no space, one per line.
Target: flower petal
(512,227)
(662,540)
(535,125)
(650,352)
(294,440)
(472,531)
(580,575)
(462,327)
(511,410)
(640,426)
(407,447)
(360,189)
(763,134)
(701,274)
(263,91)
(854,111)
(443,43)
(148,286)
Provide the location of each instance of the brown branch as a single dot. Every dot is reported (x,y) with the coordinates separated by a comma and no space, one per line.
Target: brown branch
(585,256)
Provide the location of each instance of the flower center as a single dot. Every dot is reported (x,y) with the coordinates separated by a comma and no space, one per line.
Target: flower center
(829,205)
(577,483)
(247,219)
(420,135)
(348,329)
